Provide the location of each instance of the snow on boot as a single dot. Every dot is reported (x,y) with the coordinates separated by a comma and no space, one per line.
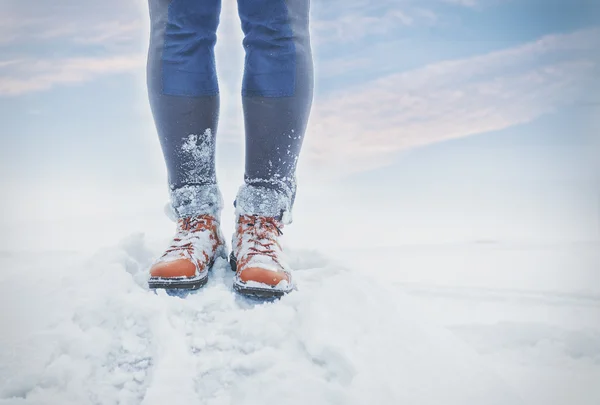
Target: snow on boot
(257,258)
(186,263)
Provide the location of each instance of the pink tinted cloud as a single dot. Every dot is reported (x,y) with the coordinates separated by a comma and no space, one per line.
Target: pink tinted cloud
(364,127)
(29,75)
(70,21)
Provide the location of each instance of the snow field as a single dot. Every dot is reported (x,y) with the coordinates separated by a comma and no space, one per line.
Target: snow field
(87,331)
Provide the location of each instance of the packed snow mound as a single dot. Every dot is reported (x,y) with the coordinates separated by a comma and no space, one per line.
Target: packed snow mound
(88,331)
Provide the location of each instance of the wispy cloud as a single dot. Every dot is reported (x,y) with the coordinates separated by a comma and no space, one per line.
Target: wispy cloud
(29,75)
(89,40)
(465,3)
(366,126)
(350,27)
(36,21)
(357,19)
(351,20)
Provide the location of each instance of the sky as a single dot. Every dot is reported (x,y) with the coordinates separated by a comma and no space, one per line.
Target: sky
(434,121)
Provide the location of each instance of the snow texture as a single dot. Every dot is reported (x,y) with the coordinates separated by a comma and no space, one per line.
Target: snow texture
(201,194)
(263,201)
(197,200)
(88,331)
(198,157)
(272,197)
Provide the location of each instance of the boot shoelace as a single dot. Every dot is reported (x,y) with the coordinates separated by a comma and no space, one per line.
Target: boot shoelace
(262,232)
(188,227)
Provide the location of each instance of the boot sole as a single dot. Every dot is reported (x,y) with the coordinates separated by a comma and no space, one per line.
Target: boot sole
(253,292)
(177,283)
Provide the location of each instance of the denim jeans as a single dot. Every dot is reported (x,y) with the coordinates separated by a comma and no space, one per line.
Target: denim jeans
(277,94)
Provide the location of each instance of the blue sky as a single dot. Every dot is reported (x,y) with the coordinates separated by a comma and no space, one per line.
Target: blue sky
(434,120)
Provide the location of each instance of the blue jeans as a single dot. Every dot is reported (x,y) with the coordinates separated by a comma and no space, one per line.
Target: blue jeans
(277,95)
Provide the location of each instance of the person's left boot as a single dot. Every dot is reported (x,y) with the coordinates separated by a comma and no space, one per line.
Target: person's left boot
(257,258)
(193,251)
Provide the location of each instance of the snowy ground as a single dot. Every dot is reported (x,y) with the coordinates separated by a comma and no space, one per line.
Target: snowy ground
(530,310)
(464,324)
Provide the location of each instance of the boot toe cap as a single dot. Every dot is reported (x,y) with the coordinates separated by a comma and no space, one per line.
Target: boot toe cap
(173,269)
(263,276)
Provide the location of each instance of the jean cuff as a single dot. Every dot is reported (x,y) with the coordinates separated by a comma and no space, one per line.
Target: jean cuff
(194,200)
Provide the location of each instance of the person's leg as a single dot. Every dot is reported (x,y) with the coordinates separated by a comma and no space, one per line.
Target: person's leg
(277,95)
(184,97)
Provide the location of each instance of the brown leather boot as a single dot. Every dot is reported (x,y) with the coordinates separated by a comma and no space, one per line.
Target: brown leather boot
(258,258)
(186,263)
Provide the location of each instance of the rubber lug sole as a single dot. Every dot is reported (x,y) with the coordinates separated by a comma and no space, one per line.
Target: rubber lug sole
(260,293)
(177,283)
(253,292)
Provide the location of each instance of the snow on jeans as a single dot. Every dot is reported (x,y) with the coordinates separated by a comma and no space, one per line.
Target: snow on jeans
(276,96)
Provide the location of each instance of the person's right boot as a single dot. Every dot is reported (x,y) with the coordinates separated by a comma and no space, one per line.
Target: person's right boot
(257,258)
(187,262)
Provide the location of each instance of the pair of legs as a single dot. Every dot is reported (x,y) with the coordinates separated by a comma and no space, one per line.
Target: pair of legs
(276,93)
